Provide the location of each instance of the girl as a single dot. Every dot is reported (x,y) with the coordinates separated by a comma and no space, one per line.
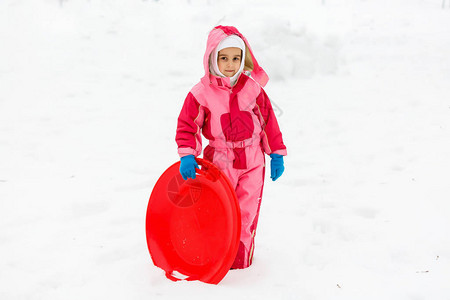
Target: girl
(230,108)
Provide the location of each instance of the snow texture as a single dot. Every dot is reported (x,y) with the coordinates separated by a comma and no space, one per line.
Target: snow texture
(89,96)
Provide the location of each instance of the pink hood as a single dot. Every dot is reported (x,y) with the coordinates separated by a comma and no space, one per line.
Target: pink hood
(214,38)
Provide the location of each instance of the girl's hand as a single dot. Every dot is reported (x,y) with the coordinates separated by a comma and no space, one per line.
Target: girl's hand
(276,166)
(187,166)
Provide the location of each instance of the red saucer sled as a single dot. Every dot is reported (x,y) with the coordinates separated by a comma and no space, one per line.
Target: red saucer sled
(193,226)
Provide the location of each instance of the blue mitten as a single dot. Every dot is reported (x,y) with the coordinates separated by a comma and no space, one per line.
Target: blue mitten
(276,166)
(187,166)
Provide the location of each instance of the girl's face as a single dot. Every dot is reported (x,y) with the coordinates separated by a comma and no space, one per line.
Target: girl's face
(229,61)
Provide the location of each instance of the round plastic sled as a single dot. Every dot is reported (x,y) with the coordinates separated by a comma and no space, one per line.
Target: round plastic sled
(193,225)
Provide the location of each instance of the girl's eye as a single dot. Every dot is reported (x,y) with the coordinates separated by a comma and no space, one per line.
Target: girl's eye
(237,59)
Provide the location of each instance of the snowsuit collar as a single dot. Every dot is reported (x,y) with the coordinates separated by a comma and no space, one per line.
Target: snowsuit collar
(224,82)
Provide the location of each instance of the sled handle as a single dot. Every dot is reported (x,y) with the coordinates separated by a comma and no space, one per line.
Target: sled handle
(209,170)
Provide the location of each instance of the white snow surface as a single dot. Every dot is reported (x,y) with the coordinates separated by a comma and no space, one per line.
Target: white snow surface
(90,92)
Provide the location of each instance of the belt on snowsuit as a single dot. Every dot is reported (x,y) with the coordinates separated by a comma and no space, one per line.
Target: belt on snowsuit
(238,153)
(231,144)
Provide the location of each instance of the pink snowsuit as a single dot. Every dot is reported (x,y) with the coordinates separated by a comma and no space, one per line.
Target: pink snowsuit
(240,125)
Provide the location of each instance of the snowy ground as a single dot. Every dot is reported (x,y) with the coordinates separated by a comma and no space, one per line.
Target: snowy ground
(89,96)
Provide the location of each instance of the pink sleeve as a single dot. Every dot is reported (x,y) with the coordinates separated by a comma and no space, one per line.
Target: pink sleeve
(272,139)
(190,121)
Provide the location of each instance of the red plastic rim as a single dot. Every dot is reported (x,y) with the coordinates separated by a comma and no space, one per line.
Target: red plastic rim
(193,226)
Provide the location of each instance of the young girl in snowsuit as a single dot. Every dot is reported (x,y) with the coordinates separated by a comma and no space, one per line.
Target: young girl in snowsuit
(230,108)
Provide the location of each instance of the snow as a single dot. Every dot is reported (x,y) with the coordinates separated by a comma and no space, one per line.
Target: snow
(89,96)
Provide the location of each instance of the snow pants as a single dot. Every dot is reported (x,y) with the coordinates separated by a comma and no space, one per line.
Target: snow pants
(248,184)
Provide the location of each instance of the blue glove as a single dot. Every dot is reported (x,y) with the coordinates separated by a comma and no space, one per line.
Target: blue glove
(276,166)
(187,166)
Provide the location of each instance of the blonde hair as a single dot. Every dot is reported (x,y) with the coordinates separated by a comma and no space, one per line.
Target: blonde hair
(248,64)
